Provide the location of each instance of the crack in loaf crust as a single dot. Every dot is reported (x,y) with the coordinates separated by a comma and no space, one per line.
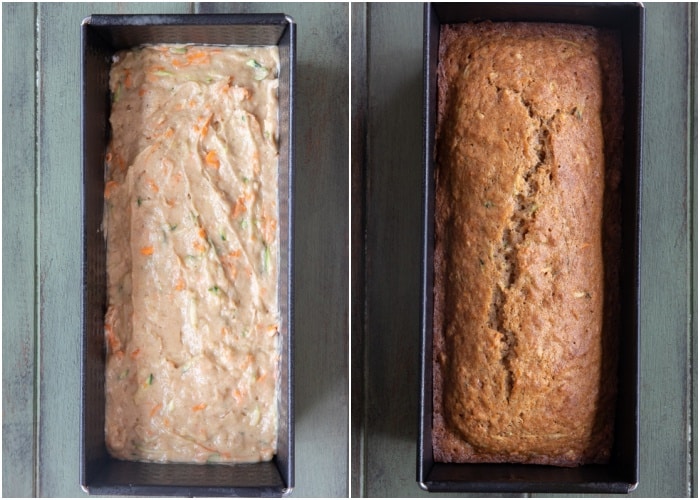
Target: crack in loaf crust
(527,240)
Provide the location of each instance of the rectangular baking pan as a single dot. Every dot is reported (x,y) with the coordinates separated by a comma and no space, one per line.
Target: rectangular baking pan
(100,474)
(621,475)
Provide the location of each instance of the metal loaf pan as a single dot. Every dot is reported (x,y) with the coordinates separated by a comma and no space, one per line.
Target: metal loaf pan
(621,475)
(102,35)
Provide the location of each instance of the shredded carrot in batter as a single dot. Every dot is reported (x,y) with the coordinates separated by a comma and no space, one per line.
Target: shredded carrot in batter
(109,188)
(155,409)
(212,159)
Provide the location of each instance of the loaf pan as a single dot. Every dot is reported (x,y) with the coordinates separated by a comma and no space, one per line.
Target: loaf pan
(102,36)
(621,475)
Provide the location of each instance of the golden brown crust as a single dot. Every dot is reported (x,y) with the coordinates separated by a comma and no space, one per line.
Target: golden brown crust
(527,238)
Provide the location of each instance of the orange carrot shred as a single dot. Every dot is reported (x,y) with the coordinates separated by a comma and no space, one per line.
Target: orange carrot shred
(237,395)
(199,407)
(128,82)
(205,127)
(249,359)
(197,57)
(269,228)
(202,233)
(109,188)
(112,340)
(180,285)
(121,162)
(147,250)
(152,184)
(233,270)
(135,353)
(240,207)
(155,409)
(212,159)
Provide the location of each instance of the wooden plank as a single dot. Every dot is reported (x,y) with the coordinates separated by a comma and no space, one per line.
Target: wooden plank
(393,248)
(666,442)
(693,194)
(60,237)
(669,258)
(321,239)
(665,281)
(358,189)
(393,240)
(18,249)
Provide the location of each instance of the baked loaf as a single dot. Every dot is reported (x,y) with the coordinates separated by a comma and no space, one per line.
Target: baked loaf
(528,154)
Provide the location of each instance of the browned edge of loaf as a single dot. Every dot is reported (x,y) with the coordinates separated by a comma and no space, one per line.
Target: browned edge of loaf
(448,444)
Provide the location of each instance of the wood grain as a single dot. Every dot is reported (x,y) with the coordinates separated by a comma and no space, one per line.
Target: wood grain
(41,219)
(60,237)
(693,195)
(392,247)
(669,256)
(357,242)
(18,248)
(666,260)
(668,446)
(321,242)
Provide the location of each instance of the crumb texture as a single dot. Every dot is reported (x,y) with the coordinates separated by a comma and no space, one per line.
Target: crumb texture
(527,239)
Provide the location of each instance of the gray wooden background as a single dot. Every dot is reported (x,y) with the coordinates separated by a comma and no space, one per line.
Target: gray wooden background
(41,244)
(386,128)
